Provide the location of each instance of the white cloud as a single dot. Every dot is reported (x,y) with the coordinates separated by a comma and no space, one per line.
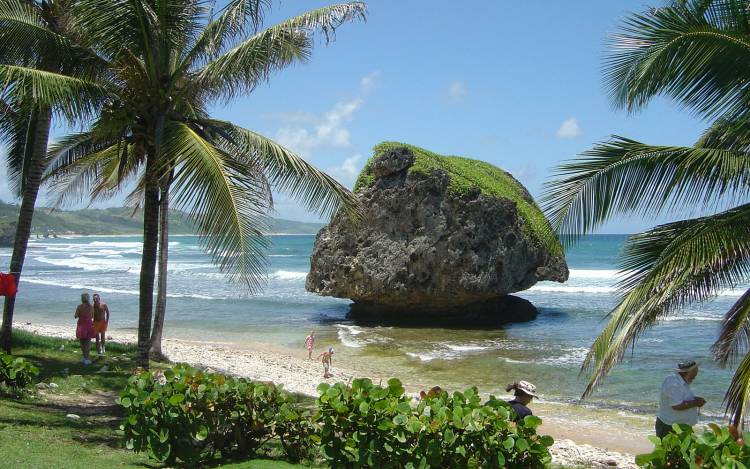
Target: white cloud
(305,133)
(328,131)
(346,172)
(457,91)
(569,128)
(369,81)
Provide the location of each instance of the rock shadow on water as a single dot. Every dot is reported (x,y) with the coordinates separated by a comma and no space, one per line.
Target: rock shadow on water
(489,314)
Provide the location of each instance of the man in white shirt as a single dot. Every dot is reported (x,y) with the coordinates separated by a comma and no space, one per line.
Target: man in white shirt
(678,404)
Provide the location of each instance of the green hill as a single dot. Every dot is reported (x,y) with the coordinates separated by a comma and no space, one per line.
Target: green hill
(119,220)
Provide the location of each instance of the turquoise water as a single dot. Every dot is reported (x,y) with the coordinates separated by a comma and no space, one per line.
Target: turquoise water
(547,351)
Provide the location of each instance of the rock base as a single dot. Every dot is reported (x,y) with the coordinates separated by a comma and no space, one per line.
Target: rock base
(481,315)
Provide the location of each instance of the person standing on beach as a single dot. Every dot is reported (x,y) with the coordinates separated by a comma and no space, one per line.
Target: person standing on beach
(326,360)
(677,403)
(85,328)
(524,392)
(101,319)
(309,344)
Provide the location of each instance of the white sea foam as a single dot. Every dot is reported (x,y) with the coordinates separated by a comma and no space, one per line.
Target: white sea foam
(288,275)
(106,289)
(116,244)
(692,318)
(597,273)
(571,356)
(357,337)
(572,289)
(91,263)
(568,356)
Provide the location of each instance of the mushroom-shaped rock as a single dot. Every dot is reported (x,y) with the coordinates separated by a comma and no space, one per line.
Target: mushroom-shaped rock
(442,238)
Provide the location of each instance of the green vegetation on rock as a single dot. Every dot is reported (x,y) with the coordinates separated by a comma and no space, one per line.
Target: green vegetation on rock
(466,173)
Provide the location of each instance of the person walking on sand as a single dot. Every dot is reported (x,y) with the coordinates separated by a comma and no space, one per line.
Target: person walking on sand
(326,360)
(677,403)
(309,344)
(524,392)
(85,328)
(101,319)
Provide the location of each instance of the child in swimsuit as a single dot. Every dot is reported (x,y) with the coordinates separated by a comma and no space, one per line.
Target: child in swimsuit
(326,359)
(309,344)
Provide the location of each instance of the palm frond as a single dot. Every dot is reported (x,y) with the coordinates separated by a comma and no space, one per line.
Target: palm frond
(80,177)
(237,18)
(737,397)
(623,176)
(288,173)
(665,268)
(26,39)
(734,338)
(243,67)
(228,203)
(16,131)
(76,98)
(698,55)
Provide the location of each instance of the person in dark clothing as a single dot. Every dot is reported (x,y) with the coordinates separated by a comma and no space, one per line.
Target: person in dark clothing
(524,392)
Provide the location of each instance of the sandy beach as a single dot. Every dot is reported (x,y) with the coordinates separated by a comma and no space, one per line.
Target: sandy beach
(576,443)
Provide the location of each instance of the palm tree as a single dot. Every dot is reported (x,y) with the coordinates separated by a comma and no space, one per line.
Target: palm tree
(33,34)
(698,54)
(166,63)
(161,280)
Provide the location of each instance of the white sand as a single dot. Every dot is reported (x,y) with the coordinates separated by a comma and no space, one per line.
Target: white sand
(300,375)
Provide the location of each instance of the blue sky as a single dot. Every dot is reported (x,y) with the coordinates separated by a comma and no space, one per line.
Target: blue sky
(517,84)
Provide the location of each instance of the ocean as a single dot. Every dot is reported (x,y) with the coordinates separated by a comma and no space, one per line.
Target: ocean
(548,351)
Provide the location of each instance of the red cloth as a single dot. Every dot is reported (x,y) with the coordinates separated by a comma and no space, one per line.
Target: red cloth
(8,285)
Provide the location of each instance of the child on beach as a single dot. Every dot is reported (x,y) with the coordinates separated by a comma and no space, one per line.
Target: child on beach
(326,360)
(309,344)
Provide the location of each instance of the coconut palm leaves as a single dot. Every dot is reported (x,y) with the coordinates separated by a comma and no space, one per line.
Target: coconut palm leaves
(155,67)
(696,52)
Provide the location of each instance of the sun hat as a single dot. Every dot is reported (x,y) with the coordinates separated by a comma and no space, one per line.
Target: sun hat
(524,387)
(330,349)
(686,366)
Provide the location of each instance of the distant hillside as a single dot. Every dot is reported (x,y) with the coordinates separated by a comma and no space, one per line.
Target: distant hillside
(120,220)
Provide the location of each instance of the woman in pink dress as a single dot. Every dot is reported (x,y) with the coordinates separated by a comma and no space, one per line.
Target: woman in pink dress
(85,328)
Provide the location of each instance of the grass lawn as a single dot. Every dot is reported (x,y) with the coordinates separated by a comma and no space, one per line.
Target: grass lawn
(34,429)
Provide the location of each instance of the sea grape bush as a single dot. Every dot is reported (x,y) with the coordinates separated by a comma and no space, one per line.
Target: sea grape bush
(372,426)
(189,415)
(16,372)
(717,447)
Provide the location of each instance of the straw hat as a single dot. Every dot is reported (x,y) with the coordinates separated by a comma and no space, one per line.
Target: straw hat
(686,366)
(525,387)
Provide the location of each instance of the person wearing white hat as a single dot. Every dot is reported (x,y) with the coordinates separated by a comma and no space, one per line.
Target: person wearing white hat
(524,392)
(677,403)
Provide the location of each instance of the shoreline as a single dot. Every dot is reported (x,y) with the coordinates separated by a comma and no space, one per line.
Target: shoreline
(591,445)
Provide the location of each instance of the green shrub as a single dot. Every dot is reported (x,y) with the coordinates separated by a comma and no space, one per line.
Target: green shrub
(188,415)
(16,372)
(370,426)
(716,448)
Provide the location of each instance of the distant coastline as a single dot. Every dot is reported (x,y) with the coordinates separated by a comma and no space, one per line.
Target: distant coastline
(117,221)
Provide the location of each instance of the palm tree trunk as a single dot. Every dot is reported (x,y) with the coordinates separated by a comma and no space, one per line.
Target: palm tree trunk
(148,261)
(161,281)
(39,126)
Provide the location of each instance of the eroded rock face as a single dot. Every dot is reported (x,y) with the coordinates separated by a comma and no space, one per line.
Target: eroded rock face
(420,249)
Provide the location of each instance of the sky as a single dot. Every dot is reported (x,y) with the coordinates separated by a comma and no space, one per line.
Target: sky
(516,84)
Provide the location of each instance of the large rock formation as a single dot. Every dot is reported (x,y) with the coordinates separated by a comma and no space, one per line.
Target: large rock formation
(443,237)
